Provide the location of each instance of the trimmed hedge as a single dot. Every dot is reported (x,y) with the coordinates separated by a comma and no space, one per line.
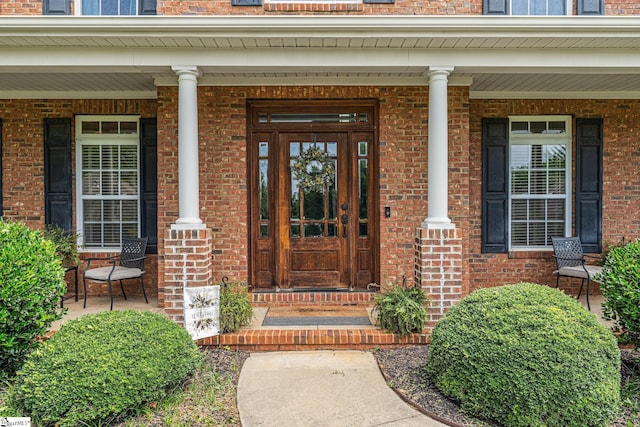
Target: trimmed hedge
(103,366)
(31,284)
(527,355)
(620,285)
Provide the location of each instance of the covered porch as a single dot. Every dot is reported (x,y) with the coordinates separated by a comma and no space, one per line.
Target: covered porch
(308,336)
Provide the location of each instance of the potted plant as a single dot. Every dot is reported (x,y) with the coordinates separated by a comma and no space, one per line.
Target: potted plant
(65,243)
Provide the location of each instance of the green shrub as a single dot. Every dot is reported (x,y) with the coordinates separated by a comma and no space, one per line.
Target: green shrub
(620,285)
(103,366)
(527,355)
(31,284)
(235,306)
(401,310)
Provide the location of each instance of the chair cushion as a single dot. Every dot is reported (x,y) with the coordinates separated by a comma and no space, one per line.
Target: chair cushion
(578,271)
(119,273)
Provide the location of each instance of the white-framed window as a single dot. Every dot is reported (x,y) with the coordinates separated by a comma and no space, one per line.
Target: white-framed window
(540,7)
(107,7)
(539,180)
(108,180)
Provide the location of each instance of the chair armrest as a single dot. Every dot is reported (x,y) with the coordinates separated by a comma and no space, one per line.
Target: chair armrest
(595,257)
(136,259)
(112,260)
(570,259)
(102,258)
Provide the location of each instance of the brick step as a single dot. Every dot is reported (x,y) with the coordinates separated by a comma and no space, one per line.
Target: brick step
(256,337)
(261,299)
(312,339)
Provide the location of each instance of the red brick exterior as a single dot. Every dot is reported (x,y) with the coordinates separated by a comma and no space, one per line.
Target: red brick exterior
(439,269)
(400,7)
(23,165)
(187,263)
(621,183)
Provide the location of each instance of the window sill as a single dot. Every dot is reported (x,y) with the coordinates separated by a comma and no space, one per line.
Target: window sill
(532,254)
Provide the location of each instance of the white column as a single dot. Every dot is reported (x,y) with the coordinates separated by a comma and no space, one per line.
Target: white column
(188,161)
(438,165)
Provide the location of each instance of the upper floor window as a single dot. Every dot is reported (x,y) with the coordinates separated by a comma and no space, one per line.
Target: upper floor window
(539,7)
(543,7)
(109,7)
(99,7)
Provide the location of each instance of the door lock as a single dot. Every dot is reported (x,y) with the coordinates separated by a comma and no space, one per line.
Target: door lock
(344,219)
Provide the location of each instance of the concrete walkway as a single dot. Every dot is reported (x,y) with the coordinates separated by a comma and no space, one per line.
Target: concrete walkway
(320,388)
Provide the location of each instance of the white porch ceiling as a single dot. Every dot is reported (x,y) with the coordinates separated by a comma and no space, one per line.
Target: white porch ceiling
(523,57)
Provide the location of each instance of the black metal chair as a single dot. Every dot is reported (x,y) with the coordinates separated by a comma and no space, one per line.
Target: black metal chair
(571,262)
(128,265)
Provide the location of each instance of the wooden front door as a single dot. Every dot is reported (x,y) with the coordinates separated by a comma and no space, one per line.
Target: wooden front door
(312,207)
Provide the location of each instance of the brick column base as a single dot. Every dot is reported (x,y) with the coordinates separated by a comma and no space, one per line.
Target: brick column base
(439,268)
(187,262)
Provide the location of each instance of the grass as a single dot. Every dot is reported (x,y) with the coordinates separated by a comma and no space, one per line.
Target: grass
(630,390)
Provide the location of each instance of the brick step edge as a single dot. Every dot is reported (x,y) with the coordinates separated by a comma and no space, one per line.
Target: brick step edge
(312,339)
(295,298)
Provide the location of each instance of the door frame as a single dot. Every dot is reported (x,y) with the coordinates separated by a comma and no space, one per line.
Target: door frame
(258,125)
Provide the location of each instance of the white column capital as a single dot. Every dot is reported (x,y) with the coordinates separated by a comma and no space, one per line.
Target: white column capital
(440,69)
(186,71)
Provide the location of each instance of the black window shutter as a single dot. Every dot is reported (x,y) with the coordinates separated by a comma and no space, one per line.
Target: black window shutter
(147,7)
(590,7)
(246,2)
(58,207)
(1,208)
(495,145)
(149,178)
(495,7)
(56,7)
(589,183)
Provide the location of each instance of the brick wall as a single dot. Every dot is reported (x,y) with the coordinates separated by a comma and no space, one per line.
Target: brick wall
(400,7)
(621,186)
(23,161)
(403,170)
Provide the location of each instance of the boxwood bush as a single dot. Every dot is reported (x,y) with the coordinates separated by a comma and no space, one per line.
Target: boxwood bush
(101,367)
(620,285)
(31,284)
(527,355)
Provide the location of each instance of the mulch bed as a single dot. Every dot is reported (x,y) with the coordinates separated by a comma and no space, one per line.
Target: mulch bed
(404,371)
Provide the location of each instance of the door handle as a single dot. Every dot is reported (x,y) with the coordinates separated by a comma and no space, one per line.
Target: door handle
(344,219)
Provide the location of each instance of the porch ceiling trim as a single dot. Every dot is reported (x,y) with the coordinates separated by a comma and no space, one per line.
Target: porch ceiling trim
(386,31)
(497,57)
